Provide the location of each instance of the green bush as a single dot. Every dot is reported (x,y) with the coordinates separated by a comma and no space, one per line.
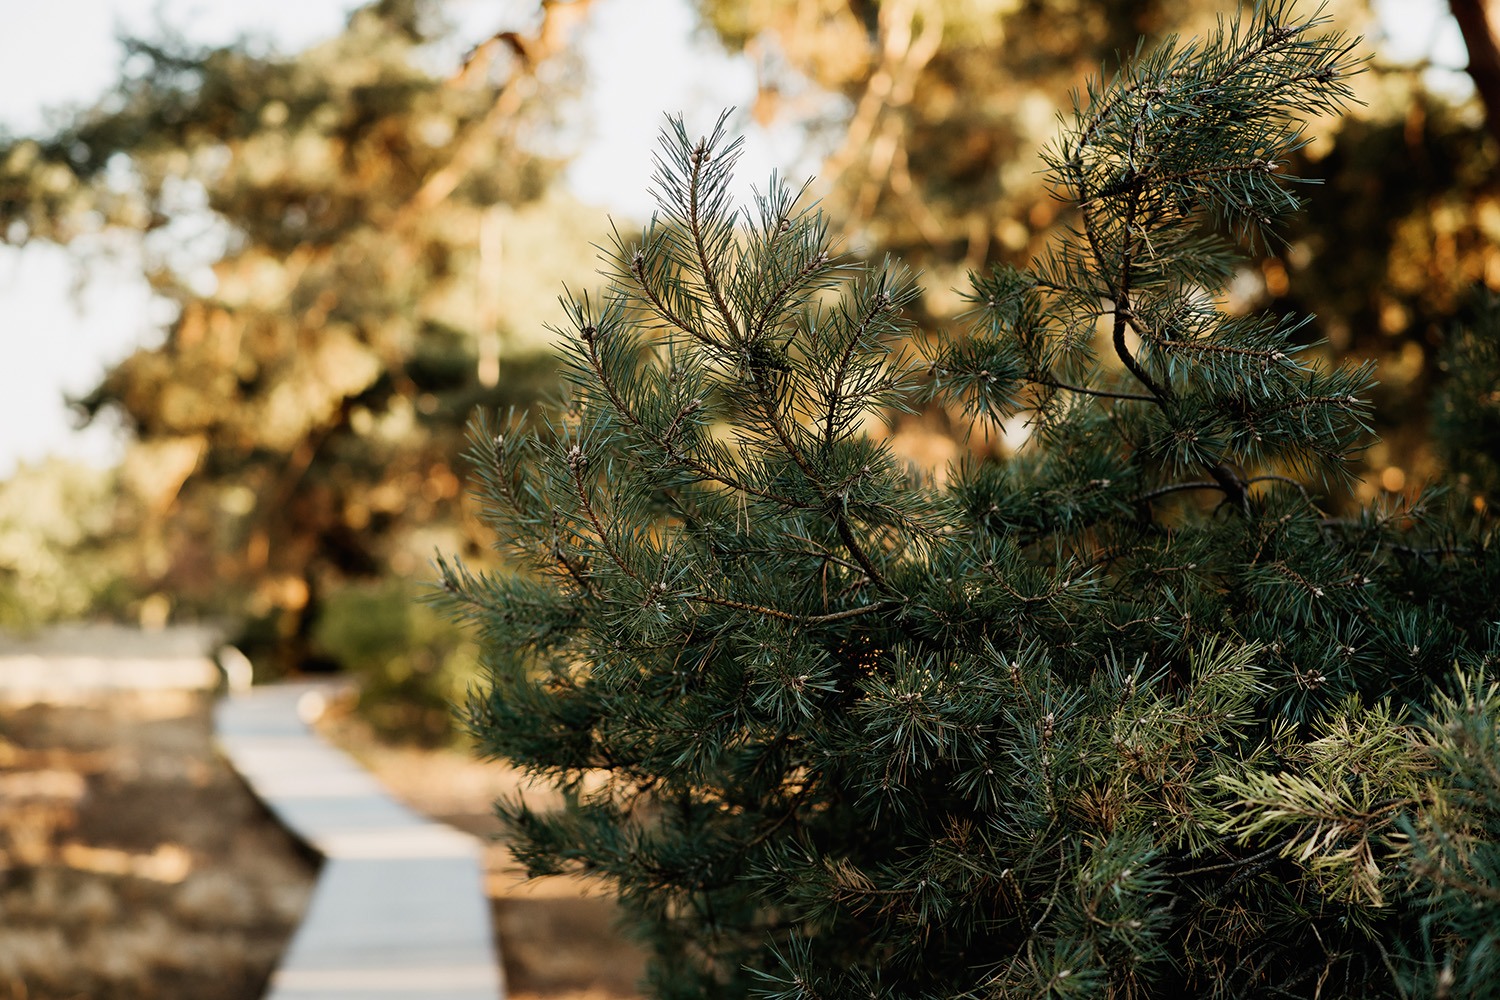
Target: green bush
(411,663)
(67,546)
(1466,411)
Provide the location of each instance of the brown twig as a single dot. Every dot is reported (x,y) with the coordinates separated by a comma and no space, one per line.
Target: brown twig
(863,609)
(577,462)
(1103,393)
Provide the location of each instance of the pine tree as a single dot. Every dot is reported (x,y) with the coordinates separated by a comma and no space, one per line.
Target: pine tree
(1128,715)
(935,111)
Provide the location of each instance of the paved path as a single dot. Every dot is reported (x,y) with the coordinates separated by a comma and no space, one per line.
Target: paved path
(69,664)
(399,912)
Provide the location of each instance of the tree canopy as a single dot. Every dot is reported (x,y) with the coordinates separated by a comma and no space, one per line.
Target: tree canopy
(360,251)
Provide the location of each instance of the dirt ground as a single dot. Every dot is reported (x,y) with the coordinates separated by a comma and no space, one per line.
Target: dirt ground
(134,864)
(557,938)
(133,861)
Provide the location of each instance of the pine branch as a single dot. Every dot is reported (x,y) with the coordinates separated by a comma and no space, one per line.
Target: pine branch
(1267,356)
(578,571)
(757,609)
(819,261)
(880,304)
(638,268)
(1297,404)
(708,272)
(835,512)
(577,462)
(590,337)
(1102,393)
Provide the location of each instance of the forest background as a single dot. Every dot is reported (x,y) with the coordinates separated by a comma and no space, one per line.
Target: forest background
(353,246)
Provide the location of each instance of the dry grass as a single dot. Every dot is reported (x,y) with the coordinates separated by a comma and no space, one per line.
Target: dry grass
(133,862)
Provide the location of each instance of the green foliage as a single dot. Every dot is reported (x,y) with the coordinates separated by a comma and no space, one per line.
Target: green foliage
(1126,716)
(1466,412)
(1454,842)
(61,554)
(412,664)
(931,116)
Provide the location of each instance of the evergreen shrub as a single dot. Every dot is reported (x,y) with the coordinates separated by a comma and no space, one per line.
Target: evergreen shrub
(410,661)
(1129,714)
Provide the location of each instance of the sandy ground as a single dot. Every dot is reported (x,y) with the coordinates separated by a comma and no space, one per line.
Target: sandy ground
(558,938)
(133,862)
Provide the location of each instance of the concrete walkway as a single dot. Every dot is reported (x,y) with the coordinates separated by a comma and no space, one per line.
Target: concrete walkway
(72,664)
(399,912)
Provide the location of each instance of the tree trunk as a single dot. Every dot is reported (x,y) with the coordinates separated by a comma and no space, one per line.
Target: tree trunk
(1484,56)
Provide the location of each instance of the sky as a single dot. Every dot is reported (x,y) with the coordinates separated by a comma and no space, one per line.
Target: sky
(62,327)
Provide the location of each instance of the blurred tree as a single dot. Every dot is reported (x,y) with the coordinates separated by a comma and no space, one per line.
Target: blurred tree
(942,106)
(61,548)
(339,230)
(1476,22)
(1466,413)
(946,104)
(412,663)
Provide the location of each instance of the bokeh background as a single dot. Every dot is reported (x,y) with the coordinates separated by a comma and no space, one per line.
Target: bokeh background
(273,262)
(261,263)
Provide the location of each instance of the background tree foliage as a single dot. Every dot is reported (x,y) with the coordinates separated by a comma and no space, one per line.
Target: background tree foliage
(376,233)
(64,553)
